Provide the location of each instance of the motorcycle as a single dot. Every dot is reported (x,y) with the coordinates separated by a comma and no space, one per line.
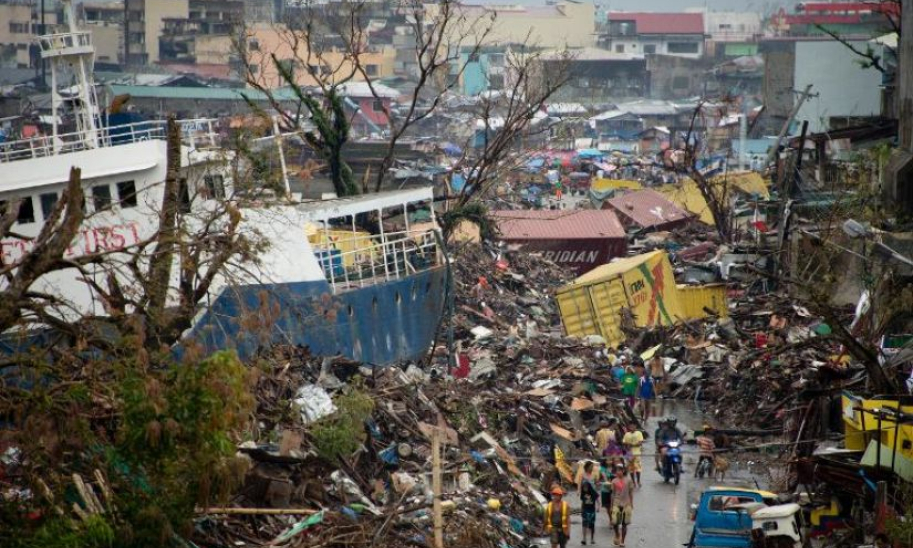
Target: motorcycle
(672,462)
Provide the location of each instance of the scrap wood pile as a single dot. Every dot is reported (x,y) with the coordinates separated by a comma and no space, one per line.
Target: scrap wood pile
(500,422)
(769,352)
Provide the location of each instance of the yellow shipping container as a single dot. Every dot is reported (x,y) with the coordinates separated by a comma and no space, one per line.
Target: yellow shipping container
(643,285)
(693,299)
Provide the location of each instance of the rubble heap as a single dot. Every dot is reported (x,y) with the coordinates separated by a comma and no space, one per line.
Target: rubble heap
(514,397)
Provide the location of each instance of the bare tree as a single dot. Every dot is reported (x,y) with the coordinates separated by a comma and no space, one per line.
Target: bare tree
(716,192)
(506,116)
(156,282)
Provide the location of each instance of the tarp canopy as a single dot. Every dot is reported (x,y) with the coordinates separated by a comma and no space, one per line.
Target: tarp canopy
(588,153)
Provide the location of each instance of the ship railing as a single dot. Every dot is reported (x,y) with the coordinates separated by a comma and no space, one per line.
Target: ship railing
(369,261)
(65,42)
(196,133)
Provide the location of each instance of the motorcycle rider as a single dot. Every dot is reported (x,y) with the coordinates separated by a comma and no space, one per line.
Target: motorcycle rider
(668,432)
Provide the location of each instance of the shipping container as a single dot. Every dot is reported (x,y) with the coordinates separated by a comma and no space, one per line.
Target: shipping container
(693,299)
(642,287)
(577,239)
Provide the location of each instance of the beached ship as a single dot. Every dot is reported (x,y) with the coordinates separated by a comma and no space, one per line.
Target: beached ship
(332,282)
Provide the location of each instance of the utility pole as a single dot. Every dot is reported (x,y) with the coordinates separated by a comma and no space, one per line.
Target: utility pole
(772,153)
(898,184)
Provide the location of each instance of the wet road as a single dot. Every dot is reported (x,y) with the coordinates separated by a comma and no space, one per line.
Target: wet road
(661,511)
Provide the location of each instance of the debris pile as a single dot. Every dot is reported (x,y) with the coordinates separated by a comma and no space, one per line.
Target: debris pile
(514,397)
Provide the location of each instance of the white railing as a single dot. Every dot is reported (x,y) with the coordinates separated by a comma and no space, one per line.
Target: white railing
(377,259)
(197,134)
(56,43)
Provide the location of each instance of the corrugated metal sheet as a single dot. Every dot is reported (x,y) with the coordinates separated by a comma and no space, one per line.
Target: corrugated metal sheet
(648,209)
(558,225)
(688,196)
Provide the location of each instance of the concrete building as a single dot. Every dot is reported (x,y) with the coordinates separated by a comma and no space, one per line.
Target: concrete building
(145,23)
(597,75)
(564,24)
(732,34)
(641,34)
(16,34)
(868,19)
(106,23)
(674,77)
(483,70)
(843,91)
(264,41)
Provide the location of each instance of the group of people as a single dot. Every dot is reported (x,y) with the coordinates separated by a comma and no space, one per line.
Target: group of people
(608,483)
(641,382)
(609,486)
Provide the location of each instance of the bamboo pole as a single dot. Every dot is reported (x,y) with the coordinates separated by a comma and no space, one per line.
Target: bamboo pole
(436,486)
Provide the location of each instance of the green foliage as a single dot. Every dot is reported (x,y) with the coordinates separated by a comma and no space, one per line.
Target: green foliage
(328,115)
(900,529)
(60,532)
(342,433)
(176,430)
(165,443)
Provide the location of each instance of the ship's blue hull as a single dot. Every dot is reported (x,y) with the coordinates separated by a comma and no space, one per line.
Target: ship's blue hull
(379,324)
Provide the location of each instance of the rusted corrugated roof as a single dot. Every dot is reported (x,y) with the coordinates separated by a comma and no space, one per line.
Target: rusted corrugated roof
(558,225)
(648,208)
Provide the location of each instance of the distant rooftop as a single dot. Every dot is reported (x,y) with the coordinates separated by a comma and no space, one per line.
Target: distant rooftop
(662,23)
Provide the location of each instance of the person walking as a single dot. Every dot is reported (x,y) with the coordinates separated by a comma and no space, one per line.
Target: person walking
(646,392)
(588,502)
(622,504)
(658,373)
(629,386)
(558,519)
(633,441)
(706,448)
(604,435)
(605,486)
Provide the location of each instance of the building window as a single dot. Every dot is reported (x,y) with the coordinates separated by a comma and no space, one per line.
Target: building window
(254,45)
(371,70)
(126,194)
(101,197)
(26,211)
(684,47)
(215,186)
(253,68)
(650,48)
(378,105)
(496,59)
(619,48)
(48,201)
(496,81)
(681,82)
(19,28)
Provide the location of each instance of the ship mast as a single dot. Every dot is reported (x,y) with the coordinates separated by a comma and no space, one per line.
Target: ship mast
(72,53)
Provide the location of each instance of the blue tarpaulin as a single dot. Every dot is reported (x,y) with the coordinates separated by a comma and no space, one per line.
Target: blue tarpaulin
(457,182)
(588,153)
(451,149)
